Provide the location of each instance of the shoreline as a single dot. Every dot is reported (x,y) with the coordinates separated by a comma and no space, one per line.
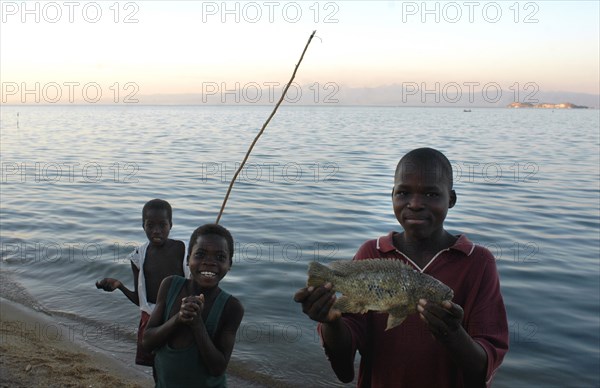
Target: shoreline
(39,348)
(36,352)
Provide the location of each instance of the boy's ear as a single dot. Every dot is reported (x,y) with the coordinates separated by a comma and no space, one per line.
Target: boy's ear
(452,199)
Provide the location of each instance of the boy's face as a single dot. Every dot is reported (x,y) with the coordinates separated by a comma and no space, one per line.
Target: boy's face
(421,199)
(209,260)
(157,226)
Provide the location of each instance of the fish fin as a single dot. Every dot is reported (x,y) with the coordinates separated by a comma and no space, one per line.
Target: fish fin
(347,305)
(396,316)
(318,274)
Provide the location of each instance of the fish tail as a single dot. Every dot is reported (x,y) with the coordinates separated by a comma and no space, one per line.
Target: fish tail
(318,274)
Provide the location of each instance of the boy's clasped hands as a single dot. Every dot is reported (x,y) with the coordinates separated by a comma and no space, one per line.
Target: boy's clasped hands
(191,308)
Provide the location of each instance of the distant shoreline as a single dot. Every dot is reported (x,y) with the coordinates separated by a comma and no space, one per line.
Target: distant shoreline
(459,107)
(545,105)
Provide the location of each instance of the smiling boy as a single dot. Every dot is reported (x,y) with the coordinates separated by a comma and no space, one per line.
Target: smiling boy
(458,343)
(193,340)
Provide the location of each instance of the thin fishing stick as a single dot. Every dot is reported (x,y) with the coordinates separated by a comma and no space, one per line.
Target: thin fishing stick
(262,130)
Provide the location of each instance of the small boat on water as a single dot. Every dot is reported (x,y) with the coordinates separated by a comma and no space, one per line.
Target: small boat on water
(466,110)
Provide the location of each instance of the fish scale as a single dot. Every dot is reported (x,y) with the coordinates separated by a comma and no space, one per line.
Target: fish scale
(384,285)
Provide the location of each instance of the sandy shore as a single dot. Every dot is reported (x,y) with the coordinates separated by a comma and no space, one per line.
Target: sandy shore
(37,350)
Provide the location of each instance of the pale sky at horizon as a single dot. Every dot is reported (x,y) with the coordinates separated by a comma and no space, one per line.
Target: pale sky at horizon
(177,46)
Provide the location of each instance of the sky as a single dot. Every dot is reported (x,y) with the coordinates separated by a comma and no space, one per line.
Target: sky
(66,51)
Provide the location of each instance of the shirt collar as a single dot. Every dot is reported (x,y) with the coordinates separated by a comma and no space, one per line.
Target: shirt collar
(385,244)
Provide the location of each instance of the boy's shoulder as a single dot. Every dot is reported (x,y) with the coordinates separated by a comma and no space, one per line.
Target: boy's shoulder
(180,245)
(232,301)
(175,243)
(377,246)
(482,253)
(235,302)
(174,279)
(233,309)
(171,280)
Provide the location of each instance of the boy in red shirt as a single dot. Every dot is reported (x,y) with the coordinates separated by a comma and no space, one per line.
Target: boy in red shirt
(458,343)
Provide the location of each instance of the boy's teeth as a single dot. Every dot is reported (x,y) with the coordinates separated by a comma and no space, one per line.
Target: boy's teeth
(204,273)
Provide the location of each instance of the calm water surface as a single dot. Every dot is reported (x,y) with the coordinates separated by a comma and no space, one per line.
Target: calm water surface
(74,180)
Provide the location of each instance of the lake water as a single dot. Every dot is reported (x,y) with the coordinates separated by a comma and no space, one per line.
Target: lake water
(75,178)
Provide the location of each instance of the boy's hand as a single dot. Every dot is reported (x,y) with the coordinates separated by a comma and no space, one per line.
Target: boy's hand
(317,302)
(108,284)
(444,320)
(190,312)
(199,301)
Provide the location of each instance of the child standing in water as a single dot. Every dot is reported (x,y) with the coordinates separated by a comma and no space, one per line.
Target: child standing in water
(458,343)
(153,261)
(192,330)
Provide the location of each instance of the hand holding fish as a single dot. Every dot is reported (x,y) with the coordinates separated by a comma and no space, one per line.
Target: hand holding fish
(383,285)
(443,320)
(317,303)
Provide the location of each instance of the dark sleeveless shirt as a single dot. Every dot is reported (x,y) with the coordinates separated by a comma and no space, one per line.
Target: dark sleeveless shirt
(183,368)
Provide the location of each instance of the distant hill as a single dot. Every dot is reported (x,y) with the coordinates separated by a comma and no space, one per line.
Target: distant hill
(562,105)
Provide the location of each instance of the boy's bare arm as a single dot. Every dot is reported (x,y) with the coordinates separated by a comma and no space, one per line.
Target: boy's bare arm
(444,321)
(133,295)
(317,304)
(216,355)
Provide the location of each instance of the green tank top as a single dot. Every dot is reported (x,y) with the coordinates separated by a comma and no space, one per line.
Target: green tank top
(183,368)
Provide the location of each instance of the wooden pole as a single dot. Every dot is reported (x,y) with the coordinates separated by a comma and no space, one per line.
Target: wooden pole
(262,130)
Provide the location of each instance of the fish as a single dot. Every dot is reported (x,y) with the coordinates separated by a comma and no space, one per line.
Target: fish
(383,285)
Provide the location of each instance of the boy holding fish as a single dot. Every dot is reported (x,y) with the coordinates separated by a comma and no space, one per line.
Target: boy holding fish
(151,262)
(453,339)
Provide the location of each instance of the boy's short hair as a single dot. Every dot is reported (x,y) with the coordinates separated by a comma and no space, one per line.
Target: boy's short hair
(158,204)
(207,229)
(433,160)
